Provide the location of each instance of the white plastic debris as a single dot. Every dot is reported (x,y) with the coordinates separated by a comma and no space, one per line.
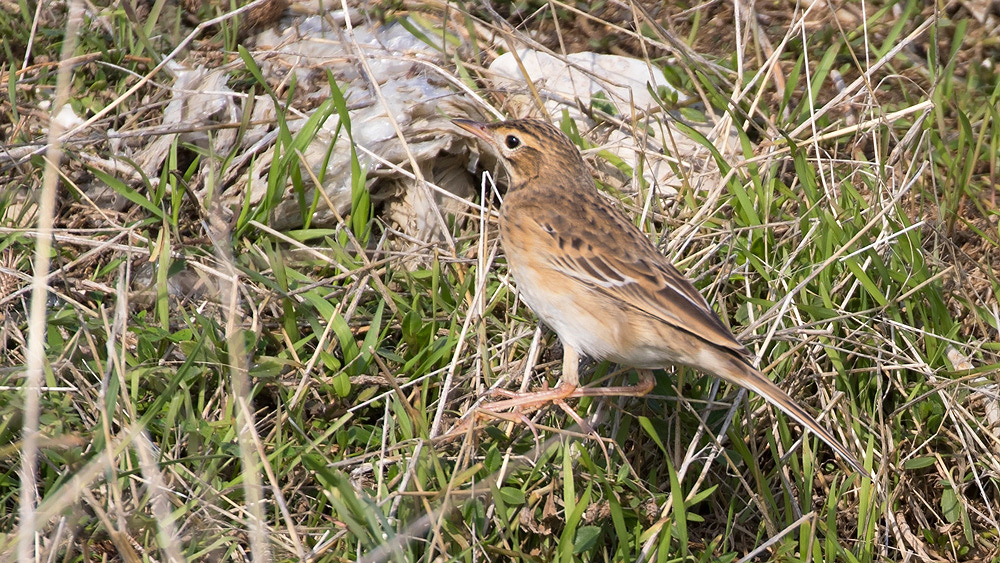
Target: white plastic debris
(624,82)
(393,88)
(67,118)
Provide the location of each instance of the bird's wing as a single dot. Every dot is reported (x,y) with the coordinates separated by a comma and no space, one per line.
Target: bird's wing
(642,278)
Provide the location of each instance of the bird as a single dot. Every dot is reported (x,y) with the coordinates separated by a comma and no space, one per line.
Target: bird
(601,285)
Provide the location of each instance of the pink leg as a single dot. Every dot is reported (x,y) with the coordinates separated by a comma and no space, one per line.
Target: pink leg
(569,388)
(646,383)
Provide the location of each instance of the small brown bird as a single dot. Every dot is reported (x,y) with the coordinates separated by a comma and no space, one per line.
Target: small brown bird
(593,277)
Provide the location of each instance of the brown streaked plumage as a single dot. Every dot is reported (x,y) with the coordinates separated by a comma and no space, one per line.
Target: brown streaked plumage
(600,284)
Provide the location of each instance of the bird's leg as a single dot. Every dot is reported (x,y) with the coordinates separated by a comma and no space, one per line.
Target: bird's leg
(568,385)
(646,383)
(569,388)
(571,368)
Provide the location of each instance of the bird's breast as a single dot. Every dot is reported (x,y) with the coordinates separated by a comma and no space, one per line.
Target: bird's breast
(583,319)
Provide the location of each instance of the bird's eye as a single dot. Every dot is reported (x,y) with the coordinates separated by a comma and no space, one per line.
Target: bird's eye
(512,142)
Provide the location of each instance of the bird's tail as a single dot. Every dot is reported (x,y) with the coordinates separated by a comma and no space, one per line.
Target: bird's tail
(744,375)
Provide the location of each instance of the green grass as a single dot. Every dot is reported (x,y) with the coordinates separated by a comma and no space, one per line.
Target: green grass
(853,253)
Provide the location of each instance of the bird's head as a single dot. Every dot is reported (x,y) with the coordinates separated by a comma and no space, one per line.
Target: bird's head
(530,149)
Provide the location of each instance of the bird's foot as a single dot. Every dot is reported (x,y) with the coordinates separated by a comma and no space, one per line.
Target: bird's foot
(532,400)
(466,424)
(513,408)
(646,384)
(564,390)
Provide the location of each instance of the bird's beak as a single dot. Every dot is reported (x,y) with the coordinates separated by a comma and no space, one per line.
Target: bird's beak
(476,128)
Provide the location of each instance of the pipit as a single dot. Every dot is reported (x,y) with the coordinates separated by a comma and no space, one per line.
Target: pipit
(595,279)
